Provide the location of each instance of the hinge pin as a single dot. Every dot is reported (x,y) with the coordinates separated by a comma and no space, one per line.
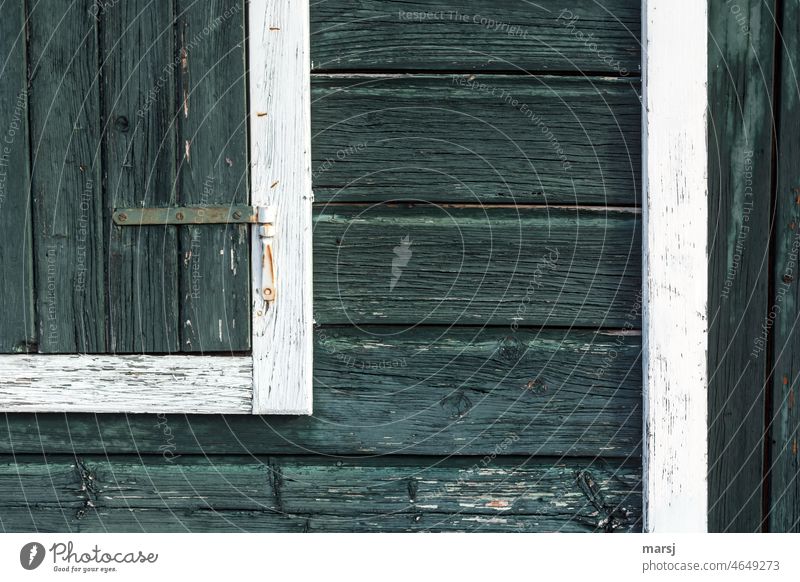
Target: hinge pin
(266,234)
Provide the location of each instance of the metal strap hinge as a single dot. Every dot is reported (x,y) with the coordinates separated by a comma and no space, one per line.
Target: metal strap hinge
(263,217)
(238,214)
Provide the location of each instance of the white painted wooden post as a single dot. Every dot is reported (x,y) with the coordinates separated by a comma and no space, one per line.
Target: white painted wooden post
(280,154)
(675,265)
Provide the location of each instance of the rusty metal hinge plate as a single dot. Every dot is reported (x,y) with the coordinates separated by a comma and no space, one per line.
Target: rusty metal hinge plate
(236,214)
(262,216)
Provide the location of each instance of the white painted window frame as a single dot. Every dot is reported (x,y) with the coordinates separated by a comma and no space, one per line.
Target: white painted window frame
(675,264)
(276,378)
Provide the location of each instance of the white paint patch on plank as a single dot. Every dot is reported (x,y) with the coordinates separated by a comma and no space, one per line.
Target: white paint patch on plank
(131,384)
(280,154)
(675,319)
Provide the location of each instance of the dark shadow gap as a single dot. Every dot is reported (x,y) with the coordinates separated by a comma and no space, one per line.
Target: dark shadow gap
(777,67)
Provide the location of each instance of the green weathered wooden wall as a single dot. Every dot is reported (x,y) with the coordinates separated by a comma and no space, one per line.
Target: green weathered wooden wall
(741,78)
(754,472)
(492,381)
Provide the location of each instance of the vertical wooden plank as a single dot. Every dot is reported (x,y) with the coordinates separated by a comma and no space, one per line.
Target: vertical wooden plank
(17,332)
(675,264)
(280,125)
(139,108)
(212,121)
(783,316)
(741,47)
(65,139)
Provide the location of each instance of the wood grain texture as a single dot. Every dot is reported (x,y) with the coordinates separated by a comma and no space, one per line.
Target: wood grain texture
(472,35)
(317,493)
(430,264)
(400,390)
(782,317)
(66,171)
(476,139)
(280,151)
(140,157)
(18,330)
(675,285)
(384,390)
(135,384)
(740,160)
(44,520)
(213,169)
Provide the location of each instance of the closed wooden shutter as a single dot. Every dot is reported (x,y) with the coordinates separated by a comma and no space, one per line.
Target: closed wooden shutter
(125,104)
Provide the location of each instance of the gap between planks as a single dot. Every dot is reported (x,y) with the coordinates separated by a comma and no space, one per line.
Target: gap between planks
(478,205)
(397,73)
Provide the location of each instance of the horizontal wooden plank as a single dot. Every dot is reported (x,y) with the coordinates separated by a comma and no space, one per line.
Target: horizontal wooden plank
(584,35)
(476,138)
(434,264)
(388,390)
(338,494)
(87,383)
(45,520)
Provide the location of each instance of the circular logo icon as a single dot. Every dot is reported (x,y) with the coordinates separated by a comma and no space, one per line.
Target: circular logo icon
(31,555)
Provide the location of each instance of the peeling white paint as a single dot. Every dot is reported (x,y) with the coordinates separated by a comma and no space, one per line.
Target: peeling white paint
(132,384)
(280,150)
(675,267)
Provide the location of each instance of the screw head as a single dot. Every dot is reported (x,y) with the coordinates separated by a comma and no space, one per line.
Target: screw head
(179,216)
(122,217)
(237,215)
